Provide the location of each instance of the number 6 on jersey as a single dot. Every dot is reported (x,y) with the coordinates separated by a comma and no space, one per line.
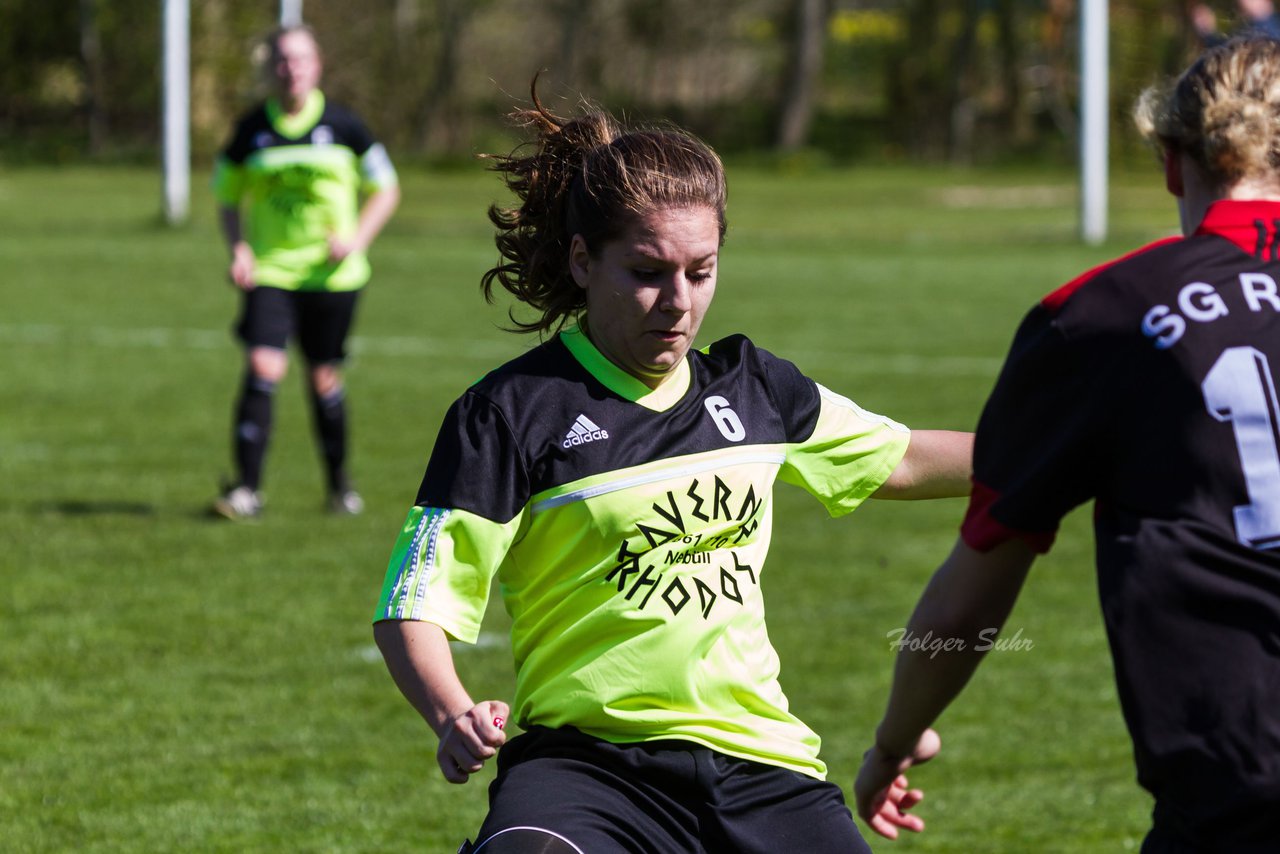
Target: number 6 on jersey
(727,421)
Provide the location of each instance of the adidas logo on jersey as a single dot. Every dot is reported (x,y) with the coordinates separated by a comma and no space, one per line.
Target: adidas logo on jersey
(584,430)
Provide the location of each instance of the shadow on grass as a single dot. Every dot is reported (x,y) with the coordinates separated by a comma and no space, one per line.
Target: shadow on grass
(80,507)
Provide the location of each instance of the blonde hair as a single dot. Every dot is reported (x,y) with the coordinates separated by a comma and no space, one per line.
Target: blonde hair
(1224,112)
(589,176)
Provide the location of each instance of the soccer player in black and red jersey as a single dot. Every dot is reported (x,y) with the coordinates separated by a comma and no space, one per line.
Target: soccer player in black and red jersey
(1148,385)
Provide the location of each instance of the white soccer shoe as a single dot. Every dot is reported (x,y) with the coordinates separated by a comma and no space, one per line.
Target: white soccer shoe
(346,503)
(238,503)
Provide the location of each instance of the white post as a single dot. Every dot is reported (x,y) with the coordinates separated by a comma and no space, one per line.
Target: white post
(177,111)
(1093,120)
(290,13)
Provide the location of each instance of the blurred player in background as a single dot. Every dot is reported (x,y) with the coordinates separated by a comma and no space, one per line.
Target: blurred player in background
(618,484)
(288,186)
(1148,385)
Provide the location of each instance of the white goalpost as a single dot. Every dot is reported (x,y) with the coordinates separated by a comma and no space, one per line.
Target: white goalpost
(176,111)
(290,13)
(1094,37)
(176,106)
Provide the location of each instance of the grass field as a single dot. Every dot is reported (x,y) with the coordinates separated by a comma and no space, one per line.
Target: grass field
(168,682)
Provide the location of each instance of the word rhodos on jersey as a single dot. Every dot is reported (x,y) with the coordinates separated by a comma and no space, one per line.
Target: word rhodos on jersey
(703,540)
(1201,302)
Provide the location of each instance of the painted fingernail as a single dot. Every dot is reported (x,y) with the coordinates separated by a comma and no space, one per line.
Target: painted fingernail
(499,721)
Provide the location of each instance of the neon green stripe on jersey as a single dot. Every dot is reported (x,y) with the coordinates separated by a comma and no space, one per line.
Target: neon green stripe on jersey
(653,472)
(336,160)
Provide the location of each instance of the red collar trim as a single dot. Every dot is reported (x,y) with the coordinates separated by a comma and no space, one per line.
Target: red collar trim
(1251,225)
(1058,298)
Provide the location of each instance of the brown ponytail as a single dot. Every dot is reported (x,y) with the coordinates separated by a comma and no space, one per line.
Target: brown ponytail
(587,176)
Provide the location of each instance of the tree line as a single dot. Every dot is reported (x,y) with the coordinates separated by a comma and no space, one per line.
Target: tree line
(940,80)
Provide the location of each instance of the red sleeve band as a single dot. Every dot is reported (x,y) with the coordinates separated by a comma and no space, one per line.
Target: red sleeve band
(981,532)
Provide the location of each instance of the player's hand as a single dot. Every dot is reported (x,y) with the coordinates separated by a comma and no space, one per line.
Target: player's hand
(243,264)
(340,248)
(471,738)
(882,792)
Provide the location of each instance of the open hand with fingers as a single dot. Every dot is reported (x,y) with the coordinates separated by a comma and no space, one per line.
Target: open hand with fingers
(882,792)
(471,738)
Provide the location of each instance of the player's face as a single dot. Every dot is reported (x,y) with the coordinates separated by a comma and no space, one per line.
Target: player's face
(295,67)
(647,291)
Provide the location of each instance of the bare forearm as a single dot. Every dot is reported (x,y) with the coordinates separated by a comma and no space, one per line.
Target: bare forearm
(966,602)
(374,215)
(418,658)
(937,464)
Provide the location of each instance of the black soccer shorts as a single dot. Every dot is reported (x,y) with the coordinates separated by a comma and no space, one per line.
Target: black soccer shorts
(659,797)
(318,320)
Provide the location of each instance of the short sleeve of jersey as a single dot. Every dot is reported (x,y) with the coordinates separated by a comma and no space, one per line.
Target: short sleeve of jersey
(476,464)
(795,397)
(465,519)
(376,169)
(441,569)
(839,452)
(1036,449)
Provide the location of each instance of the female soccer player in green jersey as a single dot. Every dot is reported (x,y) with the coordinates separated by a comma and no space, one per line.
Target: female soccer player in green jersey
(618,484)
(288,186)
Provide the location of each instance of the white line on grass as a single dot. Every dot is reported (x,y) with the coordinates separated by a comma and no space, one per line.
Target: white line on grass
(435,346)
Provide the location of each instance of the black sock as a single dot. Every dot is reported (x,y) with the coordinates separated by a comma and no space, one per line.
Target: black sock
(331,429)
(253,428)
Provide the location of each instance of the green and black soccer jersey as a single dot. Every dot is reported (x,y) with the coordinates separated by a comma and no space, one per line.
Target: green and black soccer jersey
(628,529)
(300,178)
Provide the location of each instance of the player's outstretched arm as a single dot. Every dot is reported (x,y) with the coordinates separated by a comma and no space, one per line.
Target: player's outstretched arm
(966,602)
(937,464)
(418,656)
